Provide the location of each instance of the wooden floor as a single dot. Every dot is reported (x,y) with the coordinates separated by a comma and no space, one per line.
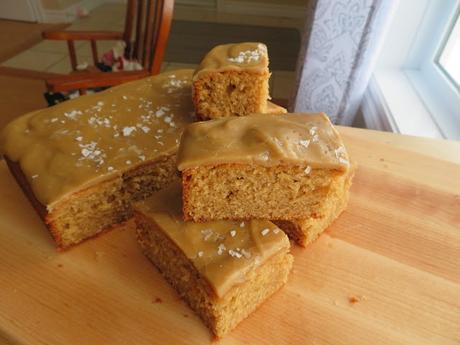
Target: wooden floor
(17,36)
(20,91)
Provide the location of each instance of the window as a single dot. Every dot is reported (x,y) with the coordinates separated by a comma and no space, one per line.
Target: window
(449,58)
(415,87)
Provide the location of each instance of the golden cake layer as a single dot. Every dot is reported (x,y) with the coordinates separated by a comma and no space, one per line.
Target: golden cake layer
(83,161)
(232,80)
(223,269)
(260,167)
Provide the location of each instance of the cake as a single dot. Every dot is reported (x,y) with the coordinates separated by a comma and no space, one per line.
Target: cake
(268,167)
(274,109)
(304,231)
(224,270)
(83,162)
(232,80)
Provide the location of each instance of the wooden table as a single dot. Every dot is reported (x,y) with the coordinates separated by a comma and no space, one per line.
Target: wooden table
(386,272)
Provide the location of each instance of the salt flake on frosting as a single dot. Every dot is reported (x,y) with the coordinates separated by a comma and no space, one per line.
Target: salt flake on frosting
(128,130)
(304,143)
(221,249)
(265,232)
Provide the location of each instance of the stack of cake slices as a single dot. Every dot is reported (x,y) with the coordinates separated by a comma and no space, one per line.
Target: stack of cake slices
(252,177)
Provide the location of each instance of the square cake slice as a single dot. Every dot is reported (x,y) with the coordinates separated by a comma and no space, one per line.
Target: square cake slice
(232,80)
(82,162)
(260,167)
(224,270)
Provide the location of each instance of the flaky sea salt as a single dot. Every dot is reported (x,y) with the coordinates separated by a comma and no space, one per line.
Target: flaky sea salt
(233,233)
(221,248)
(304,143)
(207,233)
(235,254)
(247,56)
(246,253)
(264,232)
(128,130)
(307,170)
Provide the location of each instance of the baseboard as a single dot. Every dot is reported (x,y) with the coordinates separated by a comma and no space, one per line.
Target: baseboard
(26,73)
(265,9)
(69,14)
(200,3)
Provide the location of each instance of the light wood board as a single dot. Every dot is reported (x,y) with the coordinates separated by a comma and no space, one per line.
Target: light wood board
(386,272)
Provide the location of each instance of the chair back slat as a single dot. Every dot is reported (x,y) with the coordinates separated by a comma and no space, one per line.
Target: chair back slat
(147,42)
(128,31)
(149,31)
(139,33)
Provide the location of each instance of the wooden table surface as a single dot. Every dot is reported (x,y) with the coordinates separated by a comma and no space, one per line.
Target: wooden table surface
(386,272)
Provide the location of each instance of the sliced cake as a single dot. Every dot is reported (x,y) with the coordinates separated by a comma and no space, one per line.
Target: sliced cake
(84,161)
(304,231)
(232,80)
(224,270)
(269,167)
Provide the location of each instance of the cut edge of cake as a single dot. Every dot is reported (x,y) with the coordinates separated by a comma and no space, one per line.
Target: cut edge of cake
(110,200)
(307,230)
(220,315)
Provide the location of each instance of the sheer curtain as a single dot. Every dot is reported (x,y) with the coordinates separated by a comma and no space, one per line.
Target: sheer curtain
(340,46)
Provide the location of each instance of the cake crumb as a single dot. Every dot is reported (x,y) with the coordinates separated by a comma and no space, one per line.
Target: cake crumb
(356,299)
(157,300)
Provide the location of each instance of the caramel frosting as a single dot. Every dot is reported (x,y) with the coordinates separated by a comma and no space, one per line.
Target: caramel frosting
(222,251)
(76,143)
(267,140)
(250,56)
(274,109)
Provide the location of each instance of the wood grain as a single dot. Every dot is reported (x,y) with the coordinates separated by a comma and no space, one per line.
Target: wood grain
(386,272)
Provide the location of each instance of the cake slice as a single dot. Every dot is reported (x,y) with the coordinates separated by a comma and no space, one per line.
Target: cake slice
(260,167)
(305,231)
(83,162)
(224,270)
(232,80)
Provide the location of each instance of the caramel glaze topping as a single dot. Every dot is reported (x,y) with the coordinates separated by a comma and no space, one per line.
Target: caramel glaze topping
(76,143)
(222,251)
(250,56)
(268,140)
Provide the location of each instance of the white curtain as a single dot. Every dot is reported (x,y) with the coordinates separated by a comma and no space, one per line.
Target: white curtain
(339,50)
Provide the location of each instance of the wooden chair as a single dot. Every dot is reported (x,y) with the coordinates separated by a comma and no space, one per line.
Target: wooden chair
(146,33)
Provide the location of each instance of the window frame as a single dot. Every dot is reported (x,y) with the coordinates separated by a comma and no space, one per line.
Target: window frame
(409,92)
